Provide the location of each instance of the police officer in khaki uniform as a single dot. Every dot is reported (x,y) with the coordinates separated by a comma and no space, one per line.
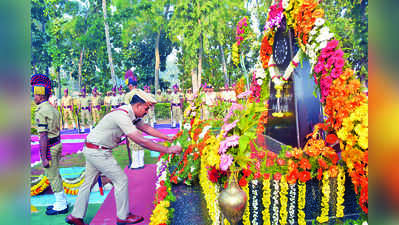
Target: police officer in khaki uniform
(67,107)
(150,118)
(107,101)
(159,97)
(95,106)
(114,99)
(137,152)
(84,107)
(48,125)
(176,103)
(125,120)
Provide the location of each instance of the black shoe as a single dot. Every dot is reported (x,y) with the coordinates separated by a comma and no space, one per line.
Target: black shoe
(51,212)
(50,207)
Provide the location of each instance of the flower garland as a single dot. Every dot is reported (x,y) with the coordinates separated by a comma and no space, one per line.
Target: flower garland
(340,193)
(255,206)
(283,200)
(266,201)
(292,203)
(301,203)
(235,55)
(40,187)
(275,208)
(325,199)
(245,217)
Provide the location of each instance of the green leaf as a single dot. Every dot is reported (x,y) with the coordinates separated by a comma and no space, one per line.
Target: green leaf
(243,143)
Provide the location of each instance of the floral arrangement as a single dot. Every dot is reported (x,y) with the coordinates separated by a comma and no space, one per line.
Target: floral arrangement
(242,30)
(41,185)
(344,103)
(71,186)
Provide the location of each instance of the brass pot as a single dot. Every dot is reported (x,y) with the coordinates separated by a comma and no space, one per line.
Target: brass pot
(232,200)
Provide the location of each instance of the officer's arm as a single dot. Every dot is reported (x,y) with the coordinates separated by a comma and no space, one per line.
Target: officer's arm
(43,145)
(150,130)
(147,143)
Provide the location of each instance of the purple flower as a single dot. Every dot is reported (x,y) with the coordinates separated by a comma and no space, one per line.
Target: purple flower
(230,141)
(228,127)
(225,162)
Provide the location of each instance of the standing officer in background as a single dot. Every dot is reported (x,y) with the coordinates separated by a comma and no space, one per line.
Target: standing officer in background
(114,99)
(176,103)
(151,114)
(84,106)
(95,106)
(47,120)
(125,120)
(121,96)
(136,151)
(67,107)
(107,100)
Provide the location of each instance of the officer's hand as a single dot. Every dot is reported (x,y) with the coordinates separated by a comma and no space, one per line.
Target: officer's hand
(171,139)
(175,149)
(45,163)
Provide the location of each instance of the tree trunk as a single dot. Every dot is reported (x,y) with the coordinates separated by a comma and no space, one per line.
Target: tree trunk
(157,60)
(80,68)
(111,65)
(226,77)
(194,80)
(59,81)
(201,50)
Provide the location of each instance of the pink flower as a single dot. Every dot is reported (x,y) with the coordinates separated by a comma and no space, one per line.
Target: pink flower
(332,44)
(339,53)
(228,127)
(340,62)
(225,162)
(244,94)
(236,106)
(230,141)
(319,67)
(335,73)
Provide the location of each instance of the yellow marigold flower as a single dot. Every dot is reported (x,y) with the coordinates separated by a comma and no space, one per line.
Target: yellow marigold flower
(363,142)
(342,134)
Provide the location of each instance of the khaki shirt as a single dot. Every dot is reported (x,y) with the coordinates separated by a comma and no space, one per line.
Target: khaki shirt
(47,119)
(210,98)
(175,98)
(114,100)
(66,101)
(95,101)
(129,96)
(159,97)
(112,126)
(84,101)
(121,98)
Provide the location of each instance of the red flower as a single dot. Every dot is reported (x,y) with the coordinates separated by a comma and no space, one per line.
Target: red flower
(243,182)
(213,175)
(288,154)
(322,163)
(173,179)
(257,175)
(162,183)
(331,139)
(269,162)
(266,176)
(304,164)
(196,155)
(261,154)
(277,176)
(246,172)
(304,176)
(292,176)
(271,155)
(280,162)
(319,173)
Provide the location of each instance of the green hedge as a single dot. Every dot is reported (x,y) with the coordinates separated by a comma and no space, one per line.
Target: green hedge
(162,111)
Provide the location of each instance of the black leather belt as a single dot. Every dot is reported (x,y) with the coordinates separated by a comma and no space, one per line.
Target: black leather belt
(54,141)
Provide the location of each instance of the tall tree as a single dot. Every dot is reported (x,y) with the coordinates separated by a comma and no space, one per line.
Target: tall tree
(106,28)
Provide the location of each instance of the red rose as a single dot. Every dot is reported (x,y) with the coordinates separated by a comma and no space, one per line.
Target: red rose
(292,176)
(304,164)
(271,155)
(266,176)
(322,163)
(261,154)
(173,179)
(277,176)
(331,139)
(280,162)
(257,175)
(269,162)
(243,182)
(288,154)
(319,173)
(304,176)
(213,175)
(246,172)
(162,183)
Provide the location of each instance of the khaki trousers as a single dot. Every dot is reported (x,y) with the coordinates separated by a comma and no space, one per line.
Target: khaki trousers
(137,153)
(96,115)
(86,118)
(176,114)
(68,117)
(99,160)
(52,173)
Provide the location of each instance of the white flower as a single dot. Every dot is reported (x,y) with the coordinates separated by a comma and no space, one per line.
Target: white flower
(259,81)
(323,44)
(202,134)
(365,223)
(319,22)
(285,3)
(187,126)
(313,32)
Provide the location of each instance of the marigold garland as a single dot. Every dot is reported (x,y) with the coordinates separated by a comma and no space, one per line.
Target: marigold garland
(283,200)
(245,217)
(39,187)
(340,193)
(292,203)
(266,201)
(301,203)
(325,199)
